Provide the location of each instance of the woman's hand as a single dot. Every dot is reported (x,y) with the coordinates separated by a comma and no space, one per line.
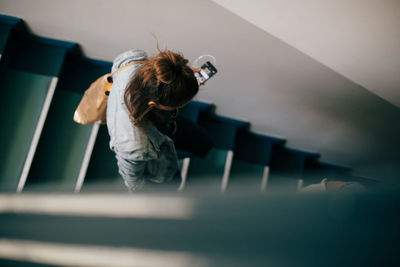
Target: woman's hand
(196,69)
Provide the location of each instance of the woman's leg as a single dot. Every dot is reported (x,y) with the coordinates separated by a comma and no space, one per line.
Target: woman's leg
(188,136)
(191,137)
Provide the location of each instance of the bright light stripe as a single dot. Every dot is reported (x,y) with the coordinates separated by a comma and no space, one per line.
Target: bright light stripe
(86,158)
(90,255)
(184,172)
(36,135)
(115,206)
(300,183)
(264,181)
(227,170)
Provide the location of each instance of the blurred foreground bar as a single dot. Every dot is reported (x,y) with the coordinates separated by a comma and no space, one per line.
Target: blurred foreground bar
(200,230)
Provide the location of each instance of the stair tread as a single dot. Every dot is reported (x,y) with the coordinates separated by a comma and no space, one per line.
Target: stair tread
(16,141)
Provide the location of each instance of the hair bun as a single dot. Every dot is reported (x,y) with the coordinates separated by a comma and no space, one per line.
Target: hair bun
(178,69)
(168,66)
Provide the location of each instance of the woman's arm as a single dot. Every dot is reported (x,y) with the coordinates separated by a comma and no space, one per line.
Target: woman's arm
(127,57)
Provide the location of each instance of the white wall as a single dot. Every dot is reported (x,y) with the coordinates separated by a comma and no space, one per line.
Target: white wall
(279,89)
(360,39)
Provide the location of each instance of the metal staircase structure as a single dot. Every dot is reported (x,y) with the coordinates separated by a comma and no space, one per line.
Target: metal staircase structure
(43,150)
(46,157)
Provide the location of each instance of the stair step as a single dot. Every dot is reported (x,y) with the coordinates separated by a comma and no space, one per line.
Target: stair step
(287,169)
(103,164)
(289,163)
(62,146)
(79,72)
(206,173)
(221,129)
(245,177)
(63,143)
(254,148)
(21,106)
(36,54)
(192,110)
(29,77)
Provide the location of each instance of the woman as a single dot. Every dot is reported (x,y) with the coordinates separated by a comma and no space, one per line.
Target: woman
(141,111)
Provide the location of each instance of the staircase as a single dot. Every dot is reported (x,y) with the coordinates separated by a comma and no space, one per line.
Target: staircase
(44,153)
(42,150)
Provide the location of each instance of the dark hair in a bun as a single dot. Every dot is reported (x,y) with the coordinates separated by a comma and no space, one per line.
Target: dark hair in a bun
(165,79)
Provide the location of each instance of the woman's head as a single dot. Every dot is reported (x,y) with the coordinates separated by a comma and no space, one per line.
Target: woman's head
(163,82)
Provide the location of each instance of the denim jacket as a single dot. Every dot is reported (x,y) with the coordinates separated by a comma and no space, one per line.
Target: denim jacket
(142,153)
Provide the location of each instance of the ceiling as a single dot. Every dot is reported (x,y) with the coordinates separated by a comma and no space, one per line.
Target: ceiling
(360,39)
